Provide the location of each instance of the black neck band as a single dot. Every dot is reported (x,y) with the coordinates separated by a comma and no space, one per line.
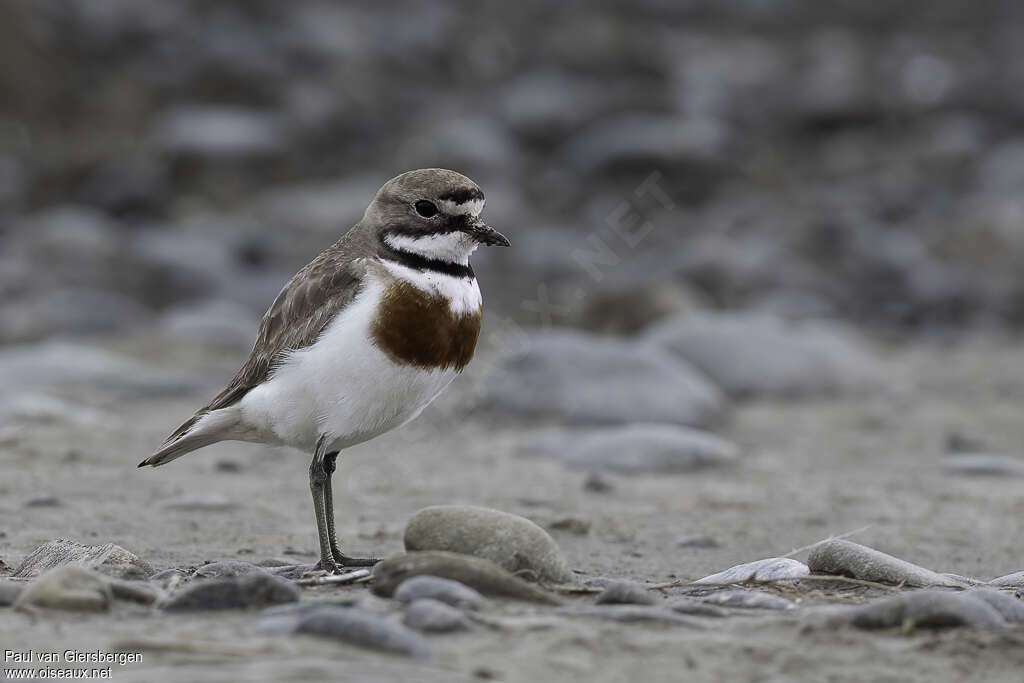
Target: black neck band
(417,262)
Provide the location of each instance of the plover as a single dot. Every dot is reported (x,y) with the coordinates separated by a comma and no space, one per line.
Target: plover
(361,340)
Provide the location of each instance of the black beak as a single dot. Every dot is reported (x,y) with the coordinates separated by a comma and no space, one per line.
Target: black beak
(484,234)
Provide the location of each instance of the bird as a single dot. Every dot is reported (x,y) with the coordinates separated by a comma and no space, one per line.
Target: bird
(360,340)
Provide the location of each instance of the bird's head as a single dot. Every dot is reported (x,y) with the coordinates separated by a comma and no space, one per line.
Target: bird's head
(434,213)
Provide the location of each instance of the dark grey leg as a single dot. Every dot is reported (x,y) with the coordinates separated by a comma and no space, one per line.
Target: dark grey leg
(318,484)
(330,464)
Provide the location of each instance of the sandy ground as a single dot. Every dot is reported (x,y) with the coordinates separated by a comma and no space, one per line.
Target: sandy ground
(810,470)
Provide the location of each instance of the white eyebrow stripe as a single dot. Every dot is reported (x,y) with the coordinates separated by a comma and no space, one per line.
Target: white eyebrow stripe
(473,207)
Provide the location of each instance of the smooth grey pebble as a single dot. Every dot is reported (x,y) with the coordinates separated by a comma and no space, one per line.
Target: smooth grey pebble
(697,608)
(512,542)
(748,600)
(447,591)
(9,591)
(597,481)
(984,464)
(434,616)
(631,614)
(1010,607)
(141,592)
(626,593)
(696,542)
(364,629)
(43,501)
(226,568)
(768,569)
(924,609)
(165,574)
(847,558)
(1015,580)
(257,589)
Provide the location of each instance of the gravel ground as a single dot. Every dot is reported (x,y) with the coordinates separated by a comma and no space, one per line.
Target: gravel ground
(809,470)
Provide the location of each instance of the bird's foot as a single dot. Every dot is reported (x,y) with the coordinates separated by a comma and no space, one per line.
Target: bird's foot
(346,561)
(327,566)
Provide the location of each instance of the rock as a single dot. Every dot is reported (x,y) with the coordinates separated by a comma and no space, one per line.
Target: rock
(631,614)
(1015,580)
(315,206)
(544,104)
(478,573)
(109,559)
(572,525)
(598,581)
(688,605)
(633,449)
(444,590)
(272,562)
(984,464)
(697,542)
(364,629)
(219,323)
(170,574)
(71,588)
(132,185)
(760,570)
(64,366)
(649,141)
(748,600)
(22,409)
(210,503)
(185,263)
(256,589)
(9,591)
(434,616)
(476,142)
(43,500)
(629,309)
(141,592)
(226,568)
(219,133)
(71,311)
(598,482)
(922,609)
(514,543)
(626,593)
(852,559)
(1011,608)
(292,572)
(284,619)
(759,355)
(579,378)
(957,442)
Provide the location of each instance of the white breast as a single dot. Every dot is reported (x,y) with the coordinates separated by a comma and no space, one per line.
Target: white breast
(343,385)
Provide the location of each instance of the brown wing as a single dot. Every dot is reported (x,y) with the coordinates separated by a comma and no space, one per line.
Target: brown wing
(294,321)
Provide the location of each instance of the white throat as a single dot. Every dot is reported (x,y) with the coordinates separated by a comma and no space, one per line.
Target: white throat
(450,247)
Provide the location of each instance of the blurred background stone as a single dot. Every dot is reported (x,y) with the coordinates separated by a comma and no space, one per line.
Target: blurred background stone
(843,161)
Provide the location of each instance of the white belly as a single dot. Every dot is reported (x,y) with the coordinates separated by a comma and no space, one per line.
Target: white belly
(342,386)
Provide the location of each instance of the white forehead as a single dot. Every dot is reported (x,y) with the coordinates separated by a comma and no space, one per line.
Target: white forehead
(472,207)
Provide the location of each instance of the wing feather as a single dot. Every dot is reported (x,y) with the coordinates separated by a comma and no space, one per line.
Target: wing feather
(294,321)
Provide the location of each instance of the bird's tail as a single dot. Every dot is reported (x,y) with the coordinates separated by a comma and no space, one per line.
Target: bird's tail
(200,430)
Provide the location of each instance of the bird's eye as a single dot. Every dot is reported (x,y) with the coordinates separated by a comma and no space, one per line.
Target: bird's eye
(425,208)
